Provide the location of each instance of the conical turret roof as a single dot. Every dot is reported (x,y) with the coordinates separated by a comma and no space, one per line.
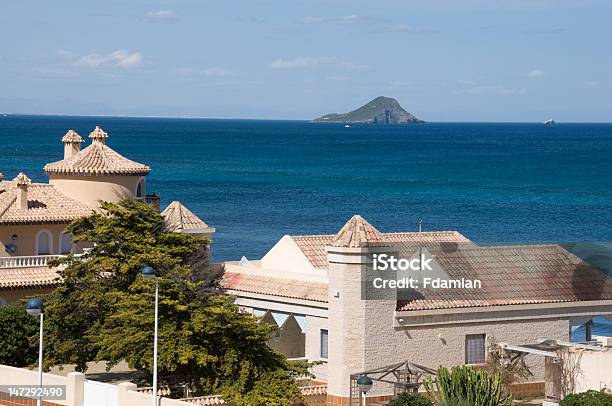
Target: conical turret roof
(97,159)
(357,233)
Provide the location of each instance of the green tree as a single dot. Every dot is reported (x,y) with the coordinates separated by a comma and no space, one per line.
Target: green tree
(103,309)
(18,336)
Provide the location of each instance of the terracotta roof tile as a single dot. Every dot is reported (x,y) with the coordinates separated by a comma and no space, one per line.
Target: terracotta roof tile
(179,218)
(512,275)
(28,277)
(313,246)
(45,205)
(290,288)
(72,137)
(97,159)
(357,232)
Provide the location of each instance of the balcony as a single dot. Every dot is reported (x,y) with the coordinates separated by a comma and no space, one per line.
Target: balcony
(26,261)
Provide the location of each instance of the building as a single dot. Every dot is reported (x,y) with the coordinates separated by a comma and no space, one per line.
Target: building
(528,291)
(34,216)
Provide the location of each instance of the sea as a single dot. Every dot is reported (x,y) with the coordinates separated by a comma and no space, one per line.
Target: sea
(256,180)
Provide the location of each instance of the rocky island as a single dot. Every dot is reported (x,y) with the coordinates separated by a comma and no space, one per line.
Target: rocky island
(381,110)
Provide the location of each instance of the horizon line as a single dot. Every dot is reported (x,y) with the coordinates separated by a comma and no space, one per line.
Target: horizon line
(2,115)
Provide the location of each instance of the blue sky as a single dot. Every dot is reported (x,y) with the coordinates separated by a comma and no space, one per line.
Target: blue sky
(443,60)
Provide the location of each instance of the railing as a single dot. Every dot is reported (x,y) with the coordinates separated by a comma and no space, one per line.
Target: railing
(205,400)
(27,261)
(314,390)
(307,391)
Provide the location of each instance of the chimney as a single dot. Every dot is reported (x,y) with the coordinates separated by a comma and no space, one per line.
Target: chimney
(98,136)
(72,143)
(22,182)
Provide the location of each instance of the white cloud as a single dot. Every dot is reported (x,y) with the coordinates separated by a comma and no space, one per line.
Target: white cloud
(537,73)
(162,15)
(348,19)
(312,62)
(120,58)
(305,62)
(213,71)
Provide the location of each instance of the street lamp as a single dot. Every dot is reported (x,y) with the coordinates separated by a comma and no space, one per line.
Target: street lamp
(149,272)
(365,384)
(34,307)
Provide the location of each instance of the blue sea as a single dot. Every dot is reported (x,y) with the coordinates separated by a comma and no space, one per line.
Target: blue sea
(258,180)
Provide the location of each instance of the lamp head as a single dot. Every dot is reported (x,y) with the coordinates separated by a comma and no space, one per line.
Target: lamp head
(365,383)
(34,307)
(148,272)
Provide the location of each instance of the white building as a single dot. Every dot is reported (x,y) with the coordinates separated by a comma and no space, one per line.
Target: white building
(528,292)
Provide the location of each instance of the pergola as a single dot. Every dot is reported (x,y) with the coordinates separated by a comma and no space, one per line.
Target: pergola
(404,376)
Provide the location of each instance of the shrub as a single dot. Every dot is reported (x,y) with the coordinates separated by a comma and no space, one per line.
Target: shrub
(410,399)
(588,398)
(18,336)
(467,384)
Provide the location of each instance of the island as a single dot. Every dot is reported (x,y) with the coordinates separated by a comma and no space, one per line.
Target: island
(381,110)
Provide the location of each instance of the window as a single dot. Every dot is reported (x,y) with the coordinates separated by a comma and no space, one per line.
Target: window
(43,243)
(324,343)
(65,243)
(475,348)
(139,190)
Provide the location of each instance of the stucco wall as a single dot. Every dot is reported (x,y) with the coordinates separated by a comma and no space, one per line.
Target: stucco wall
(9,296)
(90,190)
(314,325)
(595,371)
(26,238)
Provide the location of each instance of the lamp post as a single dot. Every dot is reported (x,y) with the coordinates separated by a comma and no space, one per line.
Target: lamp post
(365,384)
(34,307)
(149,272)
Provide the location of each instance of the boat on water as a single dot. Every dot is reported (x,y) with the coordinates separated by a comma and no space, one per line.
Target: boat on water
(549,122)
(347,126)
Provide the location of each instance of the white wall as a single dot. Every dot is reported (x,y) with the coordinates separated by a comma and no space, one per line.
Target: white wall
(596,371)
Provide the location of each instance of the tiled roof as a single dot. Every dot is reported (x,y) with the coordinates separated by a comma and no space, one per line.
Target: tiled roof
(313,246)
(72,137)
(290,288)
(28,277)
(357,232)
(97,159)
(512,275)
(45,205)
(98,134)
(22,180)
(179,218)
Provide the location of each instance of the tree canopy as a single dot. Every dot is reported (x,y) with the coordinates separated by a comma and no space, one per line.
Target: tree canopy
(18,336)
(103,310)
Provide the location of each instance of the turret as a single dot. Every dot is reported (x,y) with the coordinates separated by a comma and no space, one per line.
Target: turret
(98,136)
(357,315)
(72,143)
(22,182)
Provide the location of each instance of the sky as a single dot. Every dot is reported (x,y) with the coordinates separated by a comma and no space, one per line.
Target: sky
(453,60)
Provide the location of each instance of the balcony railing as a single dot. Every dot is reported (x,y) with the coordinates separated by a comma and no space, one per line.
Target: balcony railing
(27,261)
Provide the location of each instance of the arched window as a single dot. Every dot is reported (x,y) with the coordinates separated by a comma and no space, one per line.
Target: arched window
(3,301)
(65,243)
(140,189)
(44,242)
